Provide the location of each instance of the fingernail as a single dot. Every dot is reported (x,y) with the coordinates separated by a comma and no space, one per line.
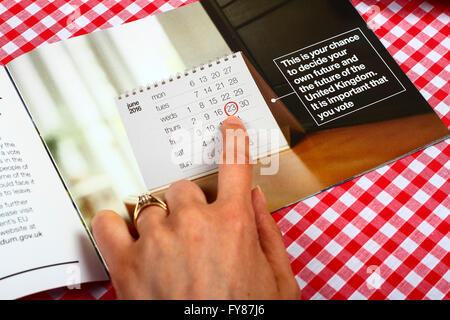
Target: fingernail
(233,120)
(259,189)
(262,196)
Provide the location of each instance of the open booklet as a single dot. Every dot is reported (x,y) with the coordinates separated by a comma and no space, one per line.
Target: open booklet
(322,103)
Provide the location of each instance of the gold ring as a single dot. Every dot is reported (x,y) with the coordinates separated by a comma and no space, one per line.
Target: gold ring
(147,200)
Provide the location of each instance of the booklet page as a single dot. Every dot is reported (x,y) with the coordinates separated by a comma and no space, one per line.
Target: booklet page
(43,242)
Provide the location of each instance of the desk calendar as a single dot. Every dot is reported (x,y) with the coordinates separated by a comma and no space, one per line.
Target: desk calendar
(174,125)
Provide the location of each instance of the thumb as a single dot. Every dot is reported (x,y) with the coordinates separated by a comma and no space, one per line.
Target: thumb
(273,247)
(113,238)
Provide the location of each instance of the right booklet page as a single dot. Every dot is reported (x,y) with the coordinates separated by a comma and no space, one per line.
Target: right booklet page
(320,63)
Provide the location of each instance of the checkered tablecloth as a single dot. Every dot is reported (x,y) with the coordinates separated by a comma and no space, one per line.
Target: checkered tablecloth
(384,235)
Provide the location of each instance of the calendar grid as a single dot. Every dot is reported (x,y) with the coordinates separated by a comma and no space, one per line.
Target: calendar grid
(222,86)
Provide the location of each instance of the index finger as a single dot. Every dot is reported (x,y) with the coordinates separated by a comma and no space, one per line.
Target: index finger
(236,168)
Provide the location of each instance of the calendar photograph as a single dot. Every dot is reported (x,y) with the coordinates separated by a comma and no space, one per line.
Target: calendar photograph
(322,103)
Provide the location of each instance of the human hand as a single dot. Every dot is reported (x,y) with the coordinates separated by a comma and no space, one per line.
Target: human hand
(230,249)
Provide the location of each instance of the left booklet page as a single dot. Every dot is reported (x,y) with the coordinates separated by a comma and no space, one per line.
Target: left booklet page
(43,241)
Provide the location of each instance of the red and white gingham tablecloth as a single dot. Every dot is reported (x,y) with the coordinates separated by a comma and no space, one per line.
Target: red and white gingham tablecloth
(384,235)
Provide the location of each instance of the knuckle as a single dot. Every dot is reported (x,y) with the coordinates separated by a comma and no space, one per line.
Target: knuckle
(236,148)
(101,217)
(101,221)
(157,240)
(159,231)
(185,189)
(243,157)
(194,223)
(239,215)
(182,186)
(197,234)
(165,243)
(190,215)
(190,211)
